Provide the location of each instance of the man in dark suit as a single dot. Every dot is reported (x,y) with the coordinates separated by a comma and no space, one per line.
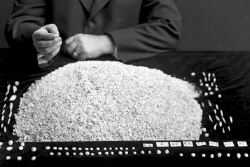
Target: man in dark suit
(86,29)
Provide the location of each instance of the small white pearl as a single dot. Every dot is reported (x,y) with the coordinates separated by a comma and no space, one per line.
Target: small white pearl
(10,142)
(212,156)
(33,158)
(158,151)
(167,151)
(9,148)
(87,153)
(193,74)
(8,157)
(47,148)
(20,148)
(33,149)
(238,155)
(16,83)
(19,158)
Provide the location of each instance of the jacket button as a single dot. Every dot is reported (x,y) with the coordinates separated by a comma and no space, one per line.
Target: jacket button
(91,23)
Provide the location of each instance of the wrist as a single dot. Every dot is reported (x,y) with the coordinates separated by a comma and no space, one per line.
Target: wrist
(108,46)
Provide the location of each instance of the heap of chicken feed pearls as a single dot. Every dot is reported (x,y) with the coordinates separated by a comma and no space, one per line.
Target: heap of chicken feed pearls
(108,101)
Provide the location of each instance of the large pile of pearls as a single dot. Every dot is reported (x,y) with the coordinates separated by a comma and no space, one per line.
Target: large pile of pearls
(108,101)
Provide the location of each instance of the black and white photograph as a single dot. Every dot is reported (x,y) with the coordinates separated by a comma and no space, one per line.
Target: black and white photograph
(124,83)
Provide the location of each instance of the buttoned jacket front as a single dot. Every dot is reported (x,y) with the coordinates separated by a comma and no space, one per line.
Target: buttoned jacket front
(139,28)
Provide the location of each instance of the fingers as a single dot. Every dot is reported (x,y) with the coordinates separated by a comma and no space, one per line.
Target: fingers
(74,46)
(76,52)
(84,46)
(81,46)
(44,60)
(80,54)
(48,50)
(52,28)
(46,39)
(47,32)
(82,57)
(70,40)
(52,54)
(48,43)
(43,35)
(48,57)
(71,47)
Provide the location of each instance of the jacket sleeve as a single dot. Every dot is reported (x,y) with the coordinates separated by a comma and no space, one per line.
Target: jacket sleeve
(27,17)
(159,31)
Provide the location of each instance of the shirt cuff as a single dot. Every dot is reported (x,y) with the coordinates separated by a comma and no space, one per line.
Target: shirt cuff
(44,61)
(115,54)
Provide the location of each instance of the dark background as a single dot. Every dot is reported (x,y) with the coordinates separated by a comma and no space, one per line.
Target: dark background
(208,25)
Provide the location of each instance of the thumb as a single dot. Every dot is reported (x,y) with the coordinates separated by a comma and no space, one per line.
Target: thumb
(52,28)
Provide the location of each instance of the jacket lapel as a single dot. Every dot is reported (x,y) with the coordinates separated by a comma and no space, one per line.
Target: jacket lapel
(97,6)
(87,4)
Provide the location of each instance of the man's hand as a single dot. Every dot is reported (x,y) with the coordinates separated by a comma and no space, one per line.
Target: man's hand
(84,46)
(47,41)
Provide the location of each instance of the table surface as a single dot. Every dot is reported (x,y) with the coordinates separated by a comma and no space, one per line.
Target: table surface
(222,77)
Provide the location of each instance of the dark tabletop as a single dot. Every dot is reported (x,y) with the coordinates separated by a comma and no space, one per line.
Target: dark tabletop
(222,77)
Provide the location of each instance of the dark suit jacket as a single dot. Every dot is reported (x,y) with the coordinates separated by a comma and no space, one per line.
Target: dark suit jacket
(140,28)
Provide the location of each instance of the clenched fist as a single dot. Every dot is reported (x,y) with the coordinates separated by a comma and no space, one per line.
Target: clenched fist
(47,41)
(85,46)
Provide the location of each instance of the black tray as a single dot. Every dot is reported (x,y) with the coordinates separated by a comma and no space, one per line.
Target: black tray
(223,77)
